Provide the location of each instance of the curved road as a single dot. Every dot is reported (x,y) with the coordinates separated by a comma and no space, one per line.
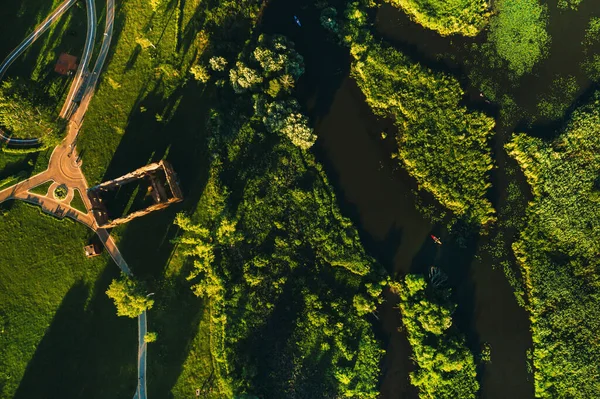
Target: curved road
(25,44)
(81,73)
(39,30)
(63,167)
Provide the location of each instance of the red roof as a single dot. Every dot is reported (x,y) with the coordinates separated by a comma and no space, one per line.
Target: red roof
(66,63)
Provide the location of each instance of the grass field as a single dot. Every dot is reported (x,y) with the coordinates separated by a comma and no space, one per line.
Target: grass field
(46,284)
(42,189)
(37,64)
(77,202)
(140,89)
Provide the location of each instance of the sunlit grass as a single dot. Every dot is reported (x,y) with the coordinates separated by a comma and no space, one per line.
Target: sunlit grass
(41,260)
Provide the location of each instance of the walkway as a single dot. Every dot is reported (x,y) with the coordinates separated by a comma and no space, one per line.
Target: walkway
(63,167)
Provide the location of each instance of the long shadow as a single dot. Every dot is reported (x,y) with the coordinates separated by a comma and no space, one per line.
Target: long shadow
(176,320)
(20,166)
(24,18)
(267,352)
(326,63)
(85,346)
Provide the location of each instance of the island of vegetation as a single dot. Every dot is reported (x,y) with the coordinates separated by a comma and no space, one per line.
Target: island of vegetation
(448,17)
(446,367)
(280,274)
(440,142)
(558,251)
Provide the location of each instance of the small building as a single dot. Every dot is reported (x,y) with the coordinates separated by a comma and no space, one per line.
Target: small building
(92,250)
(65,64)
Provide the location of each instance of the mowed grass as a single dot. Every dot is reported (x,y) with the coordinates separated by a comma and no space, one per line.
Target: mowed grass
(59,335)
(138,84)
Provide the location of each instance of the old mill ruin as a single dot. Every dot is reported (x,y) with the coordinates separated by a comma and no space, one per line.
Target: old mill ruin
(135,194)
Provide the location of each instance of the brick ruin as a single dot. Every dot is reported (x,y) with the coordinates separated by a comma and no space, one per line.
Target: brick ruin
(158,179)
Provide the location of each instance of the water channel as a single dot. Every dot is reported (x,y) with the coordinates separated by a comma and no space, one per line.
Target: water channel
(379,196)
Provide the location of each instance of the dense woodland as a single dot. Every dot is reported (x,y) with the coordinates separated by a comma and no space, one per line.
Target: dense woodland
(558,251)
(270,263)
(289,284)
(446,367)
(464,17)
(441,143)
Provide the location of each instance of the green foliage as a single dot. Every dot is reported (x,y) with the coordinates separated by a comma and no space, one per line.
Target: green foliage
(244,78)
(287,279)
(518,34)
(329,21)
(445,366)
(486,353)
(218,64)
(562,93)
(285,117)
(200,73)
(592,33)
(129,297)
(150,336)
(24,116)
(182,35)
(61,192)
(558,251)
(591,65)
(569,4)
(442,144)
(448,17)
(276,68)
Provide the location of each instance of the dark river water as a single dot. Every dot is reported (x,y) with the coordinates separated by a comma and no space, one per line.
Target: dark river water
(379,196)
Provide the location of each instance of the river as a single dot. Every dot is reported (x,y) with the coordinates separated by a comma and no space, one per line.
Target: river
(379,196)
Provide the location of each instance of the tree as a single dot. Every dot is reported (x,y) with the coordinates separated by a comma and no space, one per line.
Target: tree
(448,17)
(22,118)
(150,336)
(218,64)
(519,34)
(277,56)
(129,297)
(200,73)
(244,78)
(285,117)
(329,20)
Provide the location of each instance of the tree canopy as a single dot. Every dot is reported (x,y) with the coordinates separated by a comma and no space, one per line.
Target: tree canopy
(448,17)
(519,35)
(445,366)
(24,116)
(129,297)
(441,143)
(558,251)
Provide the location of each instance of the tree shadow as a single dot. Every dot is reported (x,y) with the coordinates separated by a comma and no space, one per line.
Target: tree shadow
(326,62)
(176,319)
(85,346)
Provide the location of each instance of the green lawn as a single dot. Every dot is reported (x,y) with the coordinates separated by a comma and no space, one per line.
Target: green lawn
(42,189)
(138,88)
(77,202)
(59,335)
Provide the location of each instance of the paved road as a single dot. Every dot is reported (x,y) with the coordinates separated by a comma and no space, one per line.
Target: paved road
(64,169)
(142,329)
(82,70)
(93,78)
(39,30)
(25,44)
